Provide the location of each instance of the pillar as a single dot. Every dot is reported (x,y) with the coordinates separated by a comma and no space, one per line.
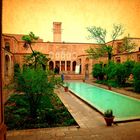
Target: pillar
(2,125)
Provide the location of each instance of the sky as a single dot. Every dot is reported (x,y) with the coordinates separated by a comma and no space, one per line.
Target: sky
(23,16)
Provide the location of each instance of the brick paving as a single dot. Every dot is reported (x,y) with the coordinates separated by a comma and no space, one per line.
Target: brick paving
(91,125)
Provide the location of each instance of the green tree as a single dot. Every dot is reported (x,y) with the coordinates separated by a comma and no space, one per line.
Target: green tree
(35,84)
(110,70)
(98,71)
(99,34)
(36,58)
(29,39)
(136,73)
(120,74)
(129,65)
(16,70)
(127,45)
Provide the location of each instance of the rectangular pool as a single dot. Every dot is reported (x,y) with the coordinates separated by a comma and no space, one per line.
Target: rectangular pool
(124,108)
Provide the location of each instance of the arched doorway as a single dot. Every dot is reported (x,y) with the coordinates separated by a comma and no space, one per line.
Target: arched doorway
(87,68)
(73,65)
(80,66)
(51,65)
(7,65)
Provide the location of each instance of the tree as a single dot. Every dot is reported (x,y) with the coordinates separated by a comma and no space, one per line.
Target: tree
(129,65)
(120,74)
(35,84)
(110,70)
(29,39)
(136,73)
(127,45)
(98,72)
(99,34)
(36,58)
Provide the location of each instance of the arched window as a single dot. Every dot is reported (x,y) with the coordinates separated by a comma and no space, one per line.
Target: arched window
(51,65)
(7,65)
(73,65)
(7,46)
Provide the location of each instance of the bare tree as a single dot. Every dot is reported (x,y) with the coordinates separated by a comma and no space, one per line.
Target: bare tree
(99,34)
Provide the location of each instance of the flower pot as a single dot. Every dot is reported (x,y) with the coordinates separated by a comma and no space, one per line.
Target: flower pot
(66,89)
(109,120)
(109,87)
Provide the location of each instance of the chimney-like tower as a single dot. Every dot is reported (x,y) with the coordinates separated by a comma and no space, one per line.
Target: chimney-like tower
(56,31)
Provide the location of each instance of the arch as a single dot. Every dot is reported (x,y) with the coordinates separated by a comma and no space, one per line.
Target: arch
(7,46)
(7,65)
(51,65)
(73,65)
(68,65)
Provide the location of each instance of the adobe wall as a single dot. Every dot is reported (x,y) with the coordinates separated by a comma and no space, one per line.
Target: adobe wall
(65,55)
(66,52)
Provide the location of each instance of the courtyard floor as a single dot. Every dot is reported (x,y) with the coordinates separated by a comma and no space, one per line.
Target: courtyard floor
(91,125)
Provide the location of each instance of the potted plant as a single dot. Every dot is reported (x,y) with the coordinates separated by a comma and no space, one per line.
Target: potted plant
(66,87)
(108,116)
(109,87)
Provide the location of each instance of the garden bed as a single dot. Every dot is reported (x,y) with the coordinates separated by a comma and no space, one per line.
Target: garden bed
(51,113)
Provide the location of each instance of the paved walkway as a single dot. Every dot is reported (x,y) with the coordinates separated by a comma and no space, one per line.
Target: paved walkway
(84,115)
(92,125)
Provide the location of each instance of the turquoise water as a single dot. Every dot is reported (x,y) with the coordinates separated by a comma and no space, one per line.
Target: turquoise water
(124,107)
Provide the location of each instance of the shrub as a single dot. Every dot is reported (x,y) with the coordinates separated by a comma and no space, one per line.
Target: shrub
(98,71)
(34,83)
(110,70)
(129,65)
(51,112)
(120,74)
(16,110)
(117,73)
(136,73)
(16,70)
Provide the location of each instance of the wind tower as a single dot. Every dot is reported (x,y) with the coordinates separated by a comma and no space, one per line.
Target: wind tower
(56,31)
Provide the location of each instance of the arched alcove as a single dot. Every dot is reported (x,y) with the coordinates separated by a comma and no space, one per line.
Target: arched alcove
(73,65)
(51,65)
(7,65)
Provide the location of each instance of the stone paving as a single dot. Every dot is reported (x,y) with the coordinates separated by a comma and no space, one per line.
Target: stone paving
(91,125)
(84,115)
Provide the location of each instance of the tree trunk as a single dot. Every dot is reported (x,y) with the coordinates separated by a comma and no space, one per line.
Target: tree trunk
(109,56)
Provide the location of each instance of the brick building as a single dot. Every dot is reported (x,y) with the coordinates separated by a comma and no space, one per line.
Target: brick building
(67,56)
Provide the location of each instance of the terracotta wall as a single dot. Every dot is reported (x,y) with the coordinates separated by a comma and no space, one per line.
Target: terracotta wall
(63,51)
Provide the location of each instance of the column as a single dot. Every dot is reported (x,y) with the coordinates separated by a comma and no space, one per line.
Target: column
(2,125)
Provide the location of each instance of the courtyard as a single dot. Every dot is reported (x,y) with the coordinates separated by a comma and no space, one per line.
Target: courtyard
(47,44)
(91,125)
